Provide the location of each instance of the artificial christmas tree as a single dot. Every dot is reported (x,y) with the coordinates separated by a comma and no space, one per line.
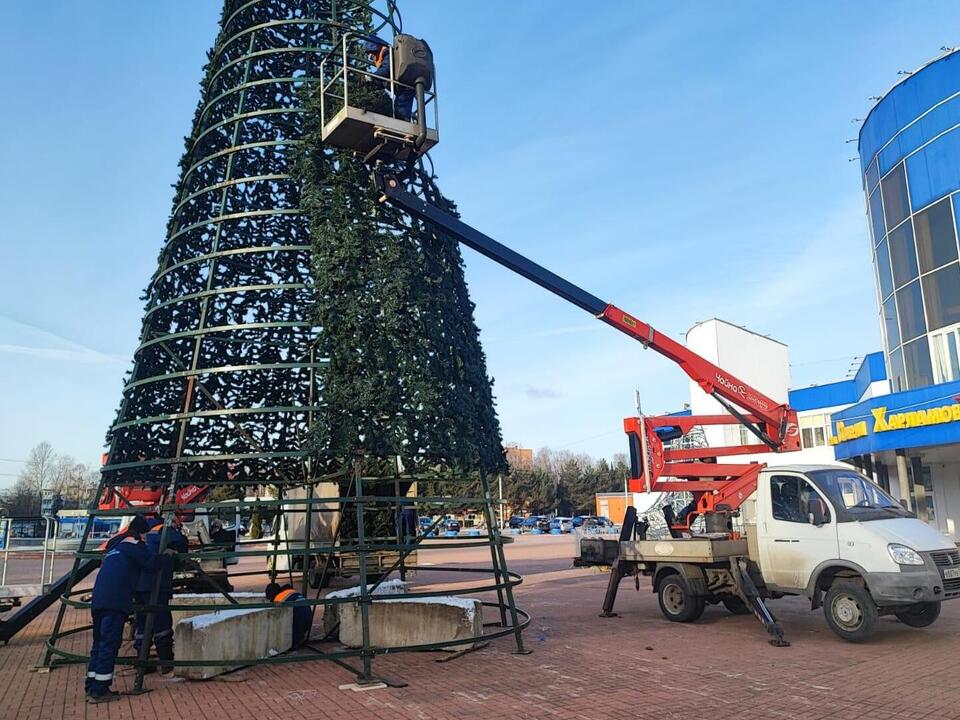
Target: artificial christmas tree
(296,337)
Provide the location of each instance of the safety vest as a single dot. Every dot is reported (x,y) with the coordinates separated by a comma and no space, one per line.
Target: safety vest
(283,595)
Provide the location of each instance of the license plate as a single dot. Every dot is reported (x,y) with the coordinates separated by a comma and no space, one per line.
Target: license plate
(951,573)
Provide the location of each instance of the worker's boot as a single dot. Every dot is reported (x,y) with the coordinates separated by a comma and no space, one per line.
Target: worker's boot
(165,653)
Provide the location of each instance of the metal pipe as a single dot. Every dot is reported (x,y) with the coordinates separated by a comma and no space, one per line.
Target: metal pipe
(6,551)
(53,553)
(421,113)
(46,534)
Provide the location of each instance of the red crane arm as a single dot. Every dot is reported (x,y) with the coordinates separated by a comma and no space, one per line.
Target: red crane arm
(774,424)
(712,379)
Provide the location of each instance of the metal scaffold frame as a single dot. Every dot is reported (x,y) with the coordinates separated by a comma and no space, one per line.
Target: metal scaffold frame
(225,378)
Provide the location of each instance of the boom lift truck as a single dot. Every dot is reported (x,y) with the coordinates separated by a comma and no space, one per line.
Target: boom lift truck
(825,532)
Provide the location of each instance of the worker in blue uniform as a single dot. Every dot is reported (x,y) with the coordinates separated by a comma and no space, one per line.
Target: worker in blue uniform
(379,53)
(112,600)
(302,615)
(162,618)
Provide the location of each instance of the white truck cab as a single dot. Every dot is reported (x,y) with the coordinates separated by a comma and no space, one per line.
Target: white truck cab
(822,531)
(829,533)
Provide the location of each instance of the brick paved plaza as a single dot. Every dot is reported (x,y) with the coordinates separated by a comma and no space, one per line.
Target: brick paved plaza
(634,666)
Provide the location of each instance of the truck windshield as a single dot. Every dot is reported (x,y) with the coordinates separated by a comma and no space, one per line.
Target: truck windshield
(850,490)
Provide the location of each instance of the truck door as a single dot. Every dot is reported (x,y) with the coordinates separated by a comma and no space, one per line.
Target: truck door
(790,545)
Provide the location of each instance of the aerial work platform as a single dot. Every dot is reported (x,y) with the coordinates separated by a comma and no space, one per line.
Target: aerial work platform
(404,72)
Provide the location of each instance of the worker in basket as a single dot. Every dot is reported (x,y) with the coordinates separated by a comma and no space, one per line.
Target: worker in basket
(302,615)
(379,53)
(162,618)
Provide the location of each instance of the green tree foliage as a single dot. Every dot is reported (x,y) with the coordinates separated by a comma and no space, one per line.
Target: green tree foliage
(406,375)
(563,483)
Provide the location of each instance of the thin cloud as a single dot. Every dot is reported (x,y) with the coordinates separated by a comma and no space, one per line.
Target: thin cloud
(51,346)
(541,393)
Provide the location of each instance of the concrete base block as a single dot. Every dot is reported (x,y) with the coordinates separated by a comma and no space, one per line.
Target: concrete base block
(331,614)
(210,599)
(414,621)
(254,633)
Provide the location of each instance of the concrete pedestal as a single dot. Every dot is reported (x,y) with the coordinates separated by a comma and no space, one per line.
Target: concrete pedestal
(211,599)
(241,634)
(331,613)
(414,621)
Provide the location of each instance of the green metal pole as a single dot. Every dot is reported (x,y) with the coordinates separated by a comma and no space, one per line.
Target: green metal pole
(502,565)
(367,653)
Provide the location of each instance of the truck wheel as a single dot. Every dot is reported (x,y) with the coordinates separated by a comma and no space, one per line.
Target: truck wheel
(919,615)
(677,603)
(736,605)
(851,612)
(318,580)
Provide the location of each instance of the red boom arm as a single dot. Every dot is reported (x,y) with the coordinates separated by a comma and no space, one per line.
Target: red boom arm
(712,484)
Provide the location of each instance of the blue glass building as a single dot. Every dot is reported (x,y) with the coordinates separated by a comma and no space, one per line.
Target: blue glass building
(910,156)
(909,439)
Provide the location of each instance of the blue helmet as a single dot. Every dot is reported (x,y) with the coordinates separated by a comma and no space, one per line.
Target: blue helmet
(370,46)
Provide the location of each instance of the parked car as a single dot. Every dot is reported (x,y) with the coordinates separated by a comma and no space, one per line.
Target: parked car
(425,523)
(451,525)
(563,524)
(536,522)
(515,522)
(596,523)
(577,520)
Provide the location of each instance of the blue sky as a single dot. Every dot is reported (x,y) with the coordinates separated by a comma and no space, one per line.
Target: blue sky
(684,160)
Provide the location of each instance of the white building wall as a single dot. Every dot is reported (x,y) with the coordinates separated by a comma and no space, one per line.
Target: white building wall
(753,358)
(760,361)
(946,496)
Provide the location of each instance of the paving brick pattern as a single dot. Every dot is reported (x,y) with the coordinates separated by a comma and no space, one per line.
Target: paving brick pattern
(634,666)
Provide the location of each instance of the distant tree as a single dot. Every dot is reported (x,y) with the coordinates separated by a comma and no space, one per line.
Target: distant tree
(563,482)
(21,499)
(46,472)
(40,470)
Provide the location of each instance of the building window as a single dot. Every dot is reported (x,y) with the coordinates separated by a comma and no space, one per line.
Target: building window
(926,481)
(876,217)
(738,435)
(895,205)
(815,430)
(936,240)
(872,175)
(946,359)
(898,380)
(883,270)
(890,325)
(941,291)
(916,358)
(910,306)
(903,253)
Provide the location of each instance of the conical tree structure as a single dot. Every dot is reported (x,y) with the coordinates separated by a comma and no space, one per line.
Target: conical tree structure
(226,370)
(257,366)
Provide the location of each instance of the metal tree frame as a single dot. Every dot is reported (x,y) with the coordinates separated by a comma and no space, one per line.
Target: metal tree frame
(225,378)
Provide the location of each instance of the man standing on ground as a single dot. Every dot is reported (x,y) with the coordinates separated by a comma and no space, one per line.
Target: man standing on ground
(162,618)
(112,599)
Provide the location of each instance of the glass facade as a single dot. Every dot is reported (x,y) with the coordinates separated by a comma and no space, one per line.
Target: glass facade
(910,158)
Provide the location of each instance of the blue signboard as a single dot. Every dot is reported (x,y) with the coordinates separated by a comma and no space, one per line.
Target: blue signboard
(4,534)
(911,419)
